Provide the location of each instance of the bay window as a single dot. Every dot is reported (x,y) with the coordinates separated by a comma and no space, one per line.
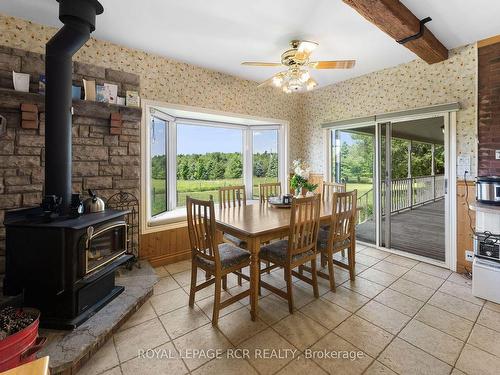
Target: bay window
(192,156)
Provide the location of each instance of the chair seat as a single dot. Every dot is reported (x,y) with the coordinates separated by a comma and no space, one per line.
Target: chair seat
(234,240)
(276,252)
(323,241)
(230,256)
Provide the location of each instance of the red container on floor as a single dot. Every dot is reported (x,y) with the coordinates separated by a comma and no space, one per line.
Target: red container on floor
(21,347)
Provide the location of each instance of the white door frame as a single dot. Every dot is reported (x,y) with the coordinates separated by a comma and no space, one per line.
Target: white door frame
(450,119)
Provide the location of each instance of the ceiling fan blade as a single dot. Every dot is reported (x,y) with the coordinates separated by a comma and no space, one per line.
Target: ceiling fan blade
(275,81)
(304,49)
(267,82)
(334,64)
(257,63)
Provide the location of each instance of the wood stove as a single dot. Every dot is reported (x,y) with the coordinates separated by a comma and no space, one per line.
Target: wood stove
(64,265)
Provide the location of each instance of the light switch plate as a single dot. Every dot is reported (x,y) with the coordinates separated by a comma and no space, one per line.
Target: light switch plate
(497,154)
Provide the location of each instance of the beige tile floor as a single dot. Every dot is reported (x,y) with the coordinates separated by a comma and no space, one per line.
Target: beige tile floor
(398,316)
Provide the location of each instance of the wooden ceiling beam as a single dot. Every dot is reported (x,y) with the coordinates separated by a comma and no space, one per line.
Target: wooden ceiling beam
(397,21)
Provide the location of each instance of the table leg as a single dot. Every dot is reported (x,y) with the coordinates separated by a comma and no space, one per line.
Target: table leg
(254,246)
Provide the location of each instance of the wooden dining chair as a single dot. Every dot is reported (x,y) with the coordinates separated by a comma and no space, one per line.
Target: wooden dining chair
(270,189)
(232,196)
(329,188)
(340,236)
(216,260)
(298,249)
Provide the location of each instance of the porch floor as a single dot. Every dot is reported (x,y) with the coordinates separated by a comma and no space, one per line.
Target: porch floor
(420,231)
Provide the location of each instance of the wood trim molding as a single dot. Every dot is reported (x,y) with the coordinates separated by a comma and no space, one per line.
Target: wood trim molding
(397,21)
(162,260)
(464,232)
(488,41)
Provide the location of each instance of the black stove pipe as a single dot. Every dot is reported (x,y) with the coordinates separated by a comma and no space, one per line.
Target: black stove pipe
(78,17)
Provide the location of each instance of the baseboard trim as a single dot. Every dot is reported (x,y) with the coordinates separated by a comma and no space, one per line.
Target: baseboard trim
(162,260)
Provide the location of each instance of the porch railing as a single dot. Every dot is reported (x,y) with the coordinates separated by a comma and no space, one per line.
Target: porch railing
(407,193)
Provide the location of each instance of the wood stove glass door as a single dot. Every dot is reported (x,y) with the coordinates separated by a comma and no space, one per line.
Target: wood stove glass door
(104,244)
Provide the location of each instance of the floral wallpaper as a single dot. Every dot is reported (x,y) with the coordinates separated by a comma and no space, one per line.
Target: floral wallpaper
(168,80)
(411,85)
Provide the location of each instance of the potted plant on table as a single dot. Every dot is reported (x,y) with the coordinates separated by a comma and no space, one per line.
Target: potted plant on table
(310,188)
(299,181)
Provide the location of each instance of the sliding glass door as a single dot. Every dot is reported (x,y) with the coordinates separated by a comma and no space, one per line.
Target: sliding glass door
(399,169)
(412,186)
(353,163)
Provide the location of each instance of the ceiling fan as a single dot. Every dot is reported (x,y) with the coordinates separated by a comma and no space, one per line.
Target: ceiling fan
(297,77)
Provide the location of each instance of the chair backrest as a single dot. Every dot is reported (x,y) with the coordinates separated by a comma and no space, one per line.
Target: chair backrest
(304,225)
(270,189)
(201,228)
(232,196)
(329,188)
(343,220)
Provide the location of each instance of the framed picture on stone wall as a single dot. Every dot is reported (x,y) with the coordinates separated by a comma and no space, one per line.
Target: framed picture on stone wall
(101,94)
(89,88)
(133,99)
(111,93)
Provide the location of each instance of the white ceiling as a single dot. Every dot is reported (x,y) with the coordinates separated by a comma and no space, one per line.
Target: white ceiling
(219,34)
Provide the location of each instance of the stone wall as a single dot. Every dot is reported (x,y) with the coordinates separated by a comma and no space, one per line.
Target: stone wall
(489,109)
(102,161)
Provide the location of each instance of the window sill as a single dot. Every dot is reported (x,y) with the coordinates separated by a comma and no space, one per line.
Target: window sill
(168,220)
(174,219)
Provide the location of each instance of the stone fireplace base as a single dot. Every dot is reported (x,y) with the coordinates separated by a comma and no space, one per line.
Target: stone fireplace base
(69,350)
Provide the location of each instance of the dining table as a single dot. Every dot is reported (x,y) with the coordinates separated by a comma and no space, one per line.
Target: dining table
(257,223)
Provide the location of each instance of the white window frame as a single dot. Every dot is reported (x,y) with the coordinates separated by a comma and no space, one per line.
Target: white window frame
(175,217)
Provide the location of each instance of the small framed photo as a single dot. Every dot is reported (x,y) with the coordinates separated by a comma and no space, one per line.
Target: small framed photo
(101,94)
(111,93)
(89,89)
(21,81)
(132,99)
(41,84)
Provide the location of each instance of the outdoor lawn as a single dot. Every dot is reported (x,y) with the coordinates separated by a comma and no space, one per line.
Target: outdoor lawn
(201,189)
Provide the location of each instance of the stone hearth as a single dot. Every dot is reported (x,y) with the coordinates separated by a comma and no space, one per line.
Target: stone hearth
(69,350)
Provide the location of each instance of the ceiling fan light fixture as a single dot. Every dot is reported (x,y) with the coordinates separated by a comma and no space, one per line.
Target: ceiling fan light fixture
(306,46)
(311,84)
(277,81)
(304,75)
(297,77)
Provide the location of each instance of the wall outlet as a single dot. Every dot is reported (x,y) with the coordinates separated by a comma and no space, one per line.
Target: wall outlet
(463,165)
(469,255)
(497,154)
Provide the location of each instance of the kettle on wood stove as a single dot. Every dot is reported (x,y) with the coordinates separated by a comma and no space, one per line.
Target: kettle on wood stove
(94,203)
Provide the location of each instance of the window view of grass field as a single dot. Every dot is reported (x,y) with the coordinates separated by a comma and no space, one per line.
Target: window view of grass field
(209,158)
